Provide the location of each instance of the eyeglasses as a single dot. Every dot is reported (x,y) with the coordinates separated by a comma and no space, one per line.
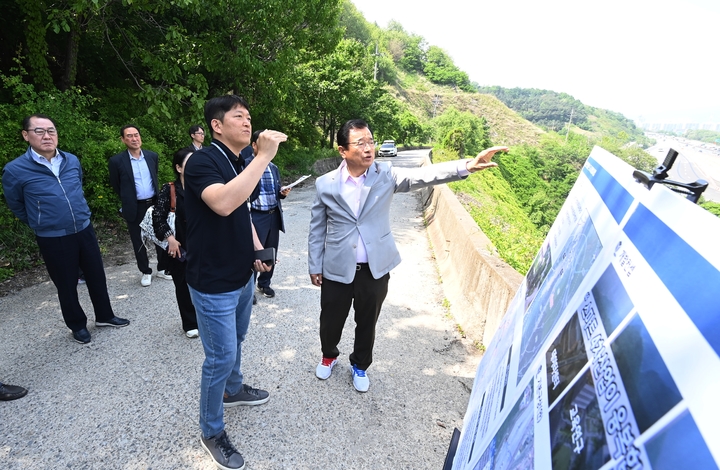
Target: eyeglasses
(41,132)
(198,133)
(360,143)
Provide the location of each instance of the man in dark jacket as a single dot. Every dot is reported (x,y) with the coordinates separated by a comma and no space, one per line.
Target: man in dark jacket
(134,177)
(43,188)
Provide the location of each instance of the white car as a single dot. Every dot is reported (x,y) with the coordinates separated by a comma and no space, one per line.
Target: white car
(387,149)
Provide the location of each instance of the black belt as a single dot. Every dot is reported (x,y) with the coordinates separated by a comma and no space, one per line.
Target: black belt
(145,201)
(360,266)
(265,212)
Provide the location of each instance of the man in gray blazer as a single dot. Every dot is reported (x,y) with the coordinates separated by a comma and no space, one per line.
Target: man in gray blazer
(133,176)
(351,249)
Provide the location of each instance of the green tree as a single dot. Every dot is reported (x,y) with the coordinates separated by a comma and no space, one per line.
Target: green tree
(338,86)
(383,115)
(463,132)
(354,24)
(411,129)
(440,69)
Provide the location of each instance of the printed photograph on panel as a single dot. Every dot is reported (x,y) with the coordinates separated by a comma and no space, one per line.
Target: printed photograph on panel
(537,273)
(577,436)
(679,445)
(612,299)
(513,445)
(650,388)
(569,270)
(565,357)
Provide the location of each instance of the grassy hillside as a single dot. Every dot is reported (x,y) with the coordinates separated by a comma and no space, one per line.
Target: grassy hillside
(553,111)
(425,100)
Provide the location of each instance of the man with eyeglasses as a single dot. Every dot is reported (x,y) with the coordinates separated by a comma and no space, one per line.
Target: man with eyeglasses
(197,134)
(133,176)
(350,246)
(43,188)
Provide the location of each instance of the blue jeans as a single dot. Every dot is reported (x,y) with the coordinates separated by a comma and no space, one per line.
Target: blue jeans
(223,321)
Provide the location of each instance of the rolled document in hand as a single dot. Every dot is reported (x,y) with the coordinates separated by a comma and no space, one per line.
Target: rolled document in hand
(296,182)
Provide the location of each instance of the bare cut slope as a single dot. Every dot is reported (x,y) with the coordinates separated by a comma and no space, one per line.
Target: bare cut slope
(506,126)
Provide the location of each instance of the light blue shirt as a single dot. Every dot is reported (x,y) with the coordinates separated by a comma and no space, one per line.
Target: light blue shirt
(143,181)
(53,164)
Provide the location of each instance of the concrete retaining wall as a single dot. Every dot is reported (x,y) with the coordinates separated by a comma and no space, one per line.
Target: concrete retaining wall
(478,284)
(321,167)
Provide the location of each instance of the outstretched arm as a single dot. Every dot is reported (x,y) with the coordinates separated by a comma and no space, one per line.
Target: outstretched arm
(482,161)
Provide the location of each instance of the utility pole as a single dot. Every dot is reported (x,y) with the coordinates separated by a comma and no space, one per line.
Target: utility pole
(377,54)
(436,101)
(572,110)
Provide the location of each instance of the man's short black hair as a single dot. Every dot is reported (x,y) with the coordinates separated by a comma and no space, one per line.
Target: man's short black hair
(343,134)
(195,128)
(26,121)
(216,108)
(123,128)
(255,136)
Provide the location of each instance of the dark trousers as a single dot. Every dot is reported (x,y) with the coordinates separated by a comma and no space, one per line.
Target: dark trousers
(267,227)
(182,294)
(141,255)
(367,295)
(64,256)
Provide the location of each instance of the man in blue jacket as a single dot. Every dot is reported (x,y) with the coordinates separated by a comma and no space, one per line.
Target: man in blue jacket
(43,188)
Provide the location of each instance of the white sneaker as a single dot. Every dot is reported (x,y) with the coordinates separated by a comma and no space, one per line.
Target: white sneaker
(192,333)
(324,369)
(146,280)
(360,379)
(164,275)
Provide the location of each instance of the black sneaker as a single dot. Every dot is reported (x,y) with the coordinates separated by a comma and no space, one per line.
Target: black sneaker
(267,291)
(223,452)
(246,396)
(82,336)
(116,322)
(11,392)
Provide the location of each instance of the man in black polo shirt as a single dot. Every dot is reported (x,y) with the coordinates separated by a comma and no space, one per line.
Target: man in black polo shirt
(221,244)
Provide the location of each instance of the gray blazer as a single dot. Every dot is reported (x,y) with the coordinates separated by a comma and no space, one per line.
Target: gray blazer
(334,228)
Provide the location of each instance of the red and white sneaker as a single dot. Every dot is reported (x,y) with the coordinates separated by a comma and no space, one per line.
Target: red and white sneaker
(324,369)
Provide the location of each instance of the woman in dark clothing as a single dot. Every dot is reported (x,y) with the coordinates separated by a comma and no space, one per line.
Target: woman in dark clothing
(176,241)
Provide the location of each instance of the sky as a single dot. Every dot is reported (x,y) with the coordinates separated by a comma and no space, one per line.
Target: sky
(650,60)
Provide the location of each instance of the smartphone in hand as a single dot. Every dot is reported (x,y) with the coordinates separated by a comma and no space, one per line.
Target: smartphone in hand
(267,256)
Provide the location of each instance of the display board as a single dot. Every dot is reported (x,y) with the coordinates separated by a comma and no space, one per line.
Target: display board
(608,356)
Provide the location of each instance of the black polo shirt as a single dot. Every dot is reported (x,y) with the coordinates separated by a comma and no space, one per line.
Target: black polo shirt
(220,251)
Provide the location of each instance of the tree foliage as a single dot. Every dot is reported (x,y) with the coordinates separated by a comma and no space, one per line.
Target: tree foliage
(305,67)
(703,135)
(462,132)
(544,108)
(440,69)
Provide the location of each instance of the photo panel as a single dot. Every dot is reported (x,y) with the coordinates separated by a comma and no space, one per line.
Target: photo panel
(565,276)
(611,298)
(679,445)
(577,436)
(649,386)
(565,358)
(513,445)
